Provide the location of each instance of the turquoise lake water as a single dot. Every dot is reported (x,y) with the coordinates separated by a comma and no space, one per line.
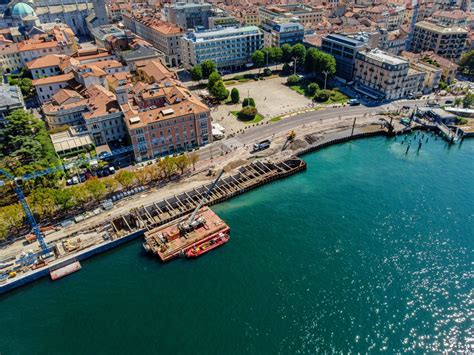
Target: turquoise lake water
(368,250)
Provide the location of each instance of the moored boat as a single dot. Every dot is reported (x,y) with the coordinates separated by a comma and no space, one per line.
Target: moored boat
(207,245)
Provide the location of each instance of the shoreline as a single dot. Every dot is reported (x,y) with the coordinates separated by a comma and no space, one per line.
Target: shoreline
(328,139)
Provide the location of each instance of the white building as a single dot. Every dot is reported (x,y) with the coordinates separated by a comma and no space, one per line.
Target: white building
(229,48)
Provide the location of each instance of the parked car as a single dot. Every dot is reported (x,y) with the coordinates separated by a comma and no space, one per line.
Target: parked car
(449,102)
(75,180)
(354,102)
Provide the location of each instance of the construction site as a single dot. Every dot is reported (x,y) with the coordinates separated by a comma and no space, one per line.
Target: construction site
(180,224)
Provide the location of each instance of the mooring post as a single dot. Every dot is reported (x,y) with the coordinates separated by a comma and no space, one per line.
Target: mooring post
(408,148)
(353,125)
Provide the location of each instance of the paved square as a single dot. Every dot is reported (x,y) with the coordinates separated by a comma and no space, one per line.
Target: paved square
(272,97)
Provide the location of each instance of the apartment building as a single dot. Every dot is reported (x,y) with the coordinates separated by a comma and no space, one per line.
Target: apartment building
(189,15)
(229,48)
(45,66)
(432,76)
(305,14)
(450,18)
(447,42)
(250,18)
(177,121)
(47,87)
(381,75)
(10,60)
(343,49)
(164,36)
(276,34)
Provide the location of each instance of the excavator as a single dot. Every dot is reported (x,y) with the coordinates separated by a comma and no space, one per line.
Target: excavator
(290,137)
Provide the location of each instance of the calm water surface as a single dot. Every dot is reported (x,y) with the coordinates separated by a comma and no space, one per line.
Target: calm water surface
(368,250)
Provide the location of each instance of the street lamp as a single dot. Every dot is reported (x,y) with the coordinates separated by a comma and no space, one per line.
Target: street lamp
(325,72)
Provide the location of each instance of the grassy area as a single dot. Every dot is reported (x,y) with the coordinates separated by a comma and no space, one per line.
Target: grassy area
(299,88)
(276,119)
(258,117)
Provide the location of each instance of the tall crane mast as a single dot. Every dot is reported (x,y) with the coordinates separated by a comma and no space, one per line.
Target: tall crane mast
(29,215)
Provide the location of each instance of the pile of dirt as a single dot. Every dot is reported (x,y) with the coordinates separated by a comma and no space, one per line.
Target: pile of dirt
(234,164)
(298,144)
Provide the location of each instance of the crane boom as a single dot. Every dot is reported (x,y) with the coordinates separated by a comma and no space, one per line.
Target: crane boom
(28,213)
(203,201)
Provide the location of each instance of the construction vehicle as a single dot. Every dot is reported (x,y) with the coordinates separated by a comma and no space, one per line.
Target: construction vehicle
(192,221)
(291,136)
(261,145)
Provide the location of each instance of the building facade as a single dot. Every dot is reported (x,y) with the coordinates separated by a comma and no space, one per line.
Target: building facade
(304,14)
(276,34)
(11,99)
(344,50)
(189,15)
(229,48)
(447,42)
(381,75)
(164,36)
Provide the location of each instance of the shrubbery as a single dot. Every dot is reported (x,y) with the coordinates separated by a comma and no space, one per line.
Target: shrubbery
(248,101)
(248,113)
(293,79)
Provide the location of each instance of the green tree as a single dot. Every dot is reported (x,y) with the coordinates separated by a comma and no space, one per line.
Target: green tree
(468,101)
(11,219)
(168,165)
(457,101)
(142,176)
(219,91)
(276,54)
(258,58)
(312,89)
(213,79)
(247,113)
(193,159)
(80,194)
(248,101)
(235,96)
(182,162)
(111,185)
(96,188)
(196,73)
(286,53)
(125,178)
(318,62)
(26,145)
(26,86)
(466,63)
(42,202)
(64,199)
(298,52)
(207,67)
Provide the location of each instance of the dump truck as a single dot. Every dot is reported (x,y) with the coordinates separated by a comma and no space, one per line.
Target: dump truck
(261,145)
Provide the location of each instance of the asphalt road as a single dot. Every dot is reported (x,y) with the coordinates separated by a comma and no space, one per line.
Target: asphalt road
(266,131)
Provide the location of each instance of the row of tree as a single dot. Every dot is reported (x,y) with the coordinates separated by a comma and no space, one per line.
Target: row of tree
(314,60)
(47,203)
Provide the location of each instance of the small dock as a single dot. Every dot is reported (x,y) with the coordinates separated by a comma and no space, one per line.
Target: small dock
(248,177)
(448,134)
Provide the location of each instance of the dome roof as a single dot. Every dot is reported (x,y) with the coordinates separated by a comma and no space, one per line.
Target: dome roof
(22,10)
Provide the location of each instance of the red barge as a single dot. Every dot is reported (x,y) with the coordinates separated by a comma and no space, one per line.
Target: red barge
(172,240)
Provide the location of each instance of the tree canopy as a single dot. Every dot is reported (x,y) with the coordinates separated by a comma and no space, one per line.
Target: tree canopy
(196,73)
(258,58)
(207,67)
(466,63)
(26,145)
(317,62)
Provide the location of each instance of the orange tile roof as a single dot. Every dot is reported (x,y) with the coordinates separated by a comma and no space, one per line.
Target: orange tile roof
(30,46)
(49,60)
(53,79)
